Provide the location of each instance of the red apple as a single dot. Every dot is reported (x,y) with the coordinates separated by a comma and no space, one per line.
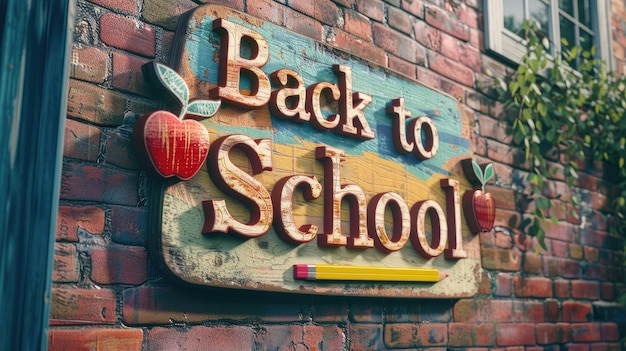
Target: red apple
(480,210)
(172,146)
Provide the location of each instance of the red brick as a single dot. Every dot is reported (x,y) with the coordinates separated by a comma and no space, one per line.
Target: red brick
(547,333)
(401,66)
(231,338)
(358,24)
(398,44)
(129,225)
(128,34)
(304,25)
(559,248)
(413,7)
(586,332)
(528,311)
(436,81)
(95,104)
(358,47)
(552,266)
(595,271)
(446,22)
(165,13)
(585,290)
(570,268)
(82,306)
(561,288)
(552,310)
(577,347)
(610,332)
(483,310)
(93,183)
(532,263)
(159,305)
(399,20)
(471,334)
(607,291)
(127,75)
(120,5)
(117,264)
(322,10)
(402,335)
(575,251)
(450,69)
(82,141)
(564,332)
(605,347)
(66,265)
(501,259)
(503,153)
(468,16)
(532,287)
(70,218)
(503,240)
(477,102)
(503,285)
(374,9)
(323,338)
(120,150)
(574,311)
(431,334)
(95,339)
(591,254)
(233,4)
(89,64)
(366,337)
(515,334)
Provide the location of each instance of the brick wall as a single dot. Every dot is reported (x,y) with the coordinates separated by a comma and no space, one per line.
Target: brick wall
(108,295)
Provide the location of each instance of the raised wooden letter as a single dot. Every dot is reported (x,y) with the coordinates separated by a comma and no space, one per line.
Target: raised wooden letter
(313,105)
(282,197)
(398,125)
(401,221)
(232,65)
(428,148)
(290,100)
(438,227)
(351,106)
(234,181)
(334,192)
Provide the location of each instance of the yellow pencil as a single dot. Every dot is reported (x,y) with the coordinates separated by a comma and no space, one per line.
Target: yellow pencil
(341,272)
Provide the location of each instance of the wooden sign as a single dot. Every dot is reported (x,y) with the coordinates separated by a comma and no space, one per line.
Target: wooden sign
(324,173)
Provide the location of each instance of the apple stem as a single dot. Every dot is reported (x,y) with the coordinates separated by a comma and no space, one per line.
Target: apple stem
(183,112)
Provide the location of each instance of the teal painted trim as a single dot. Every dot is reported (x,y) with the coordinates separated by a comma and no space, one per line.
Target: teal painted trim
(35,38)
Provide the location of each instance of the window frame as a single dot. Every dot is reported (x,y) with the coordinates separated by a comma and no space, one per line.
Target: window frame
(508,45)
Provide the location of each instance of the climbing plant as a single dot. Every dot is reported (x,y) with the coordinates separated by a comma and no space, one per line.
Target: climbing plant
(567,108)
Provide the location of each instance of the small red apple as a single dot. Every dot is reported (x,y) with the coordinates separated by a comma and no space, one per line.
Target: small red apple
(172,146)
(480,210)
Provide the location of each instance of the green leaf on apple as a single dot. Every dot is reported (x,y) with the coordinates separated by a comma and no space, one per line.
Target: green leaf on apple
(203,108)
(478,172)
(173,82)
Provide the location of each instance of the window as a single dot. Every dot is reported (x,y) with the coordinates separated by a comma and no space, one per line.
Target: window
(581,22)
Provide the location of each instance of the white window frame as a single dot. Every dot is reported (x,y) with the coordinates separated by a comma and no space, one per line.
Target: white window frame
(507,44)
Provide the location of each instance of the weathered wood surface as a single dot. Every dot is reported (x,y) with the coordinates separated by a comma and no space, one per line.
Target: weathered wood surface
(266,262)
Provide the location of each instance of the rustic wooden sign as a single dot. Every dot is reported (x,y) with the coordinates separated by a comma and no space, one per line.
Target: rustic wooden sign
(325,173)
